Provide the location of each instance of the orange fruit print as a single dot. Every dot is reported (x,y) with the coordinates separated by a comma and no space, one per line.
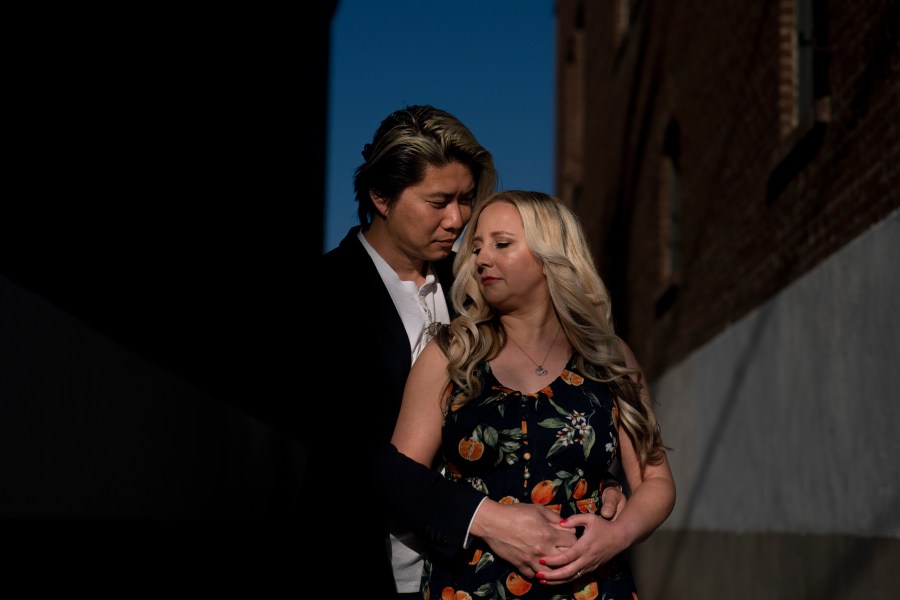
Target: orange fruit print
(588,592)
(588,505)
(517,584)
(448,593)
(543,492)
(572,378)
(580,489)
(471,449)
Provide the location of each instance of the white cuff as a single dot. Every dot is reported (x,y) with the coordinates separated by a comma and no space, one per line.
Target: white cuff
(468,540)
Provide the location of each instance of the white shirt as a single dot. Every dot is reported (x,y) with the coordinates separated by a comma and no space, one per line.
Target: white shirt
(419,307)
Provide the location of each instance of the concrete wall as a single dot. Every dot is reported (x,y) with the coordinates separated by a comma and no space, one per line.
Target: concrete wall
(784,431)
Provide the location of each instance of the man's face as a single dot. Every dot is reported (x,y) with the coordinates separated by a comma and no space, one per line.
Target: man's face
(427,218)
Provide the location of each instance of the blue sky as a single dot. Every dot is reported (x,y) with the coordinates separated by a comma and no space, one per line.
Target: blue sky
(489,62)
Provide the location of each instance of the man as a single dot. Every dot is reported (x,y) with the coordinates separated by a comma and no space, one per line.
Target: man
(376,295)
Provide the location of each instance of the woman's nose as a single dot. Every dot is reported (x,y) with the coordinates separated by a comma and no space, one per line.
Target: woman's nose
(483,258)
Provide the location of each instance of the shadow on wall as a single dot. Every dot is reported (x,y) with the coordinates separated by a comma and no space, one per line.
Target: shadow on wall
(166,192)
(93,430)
(149,320)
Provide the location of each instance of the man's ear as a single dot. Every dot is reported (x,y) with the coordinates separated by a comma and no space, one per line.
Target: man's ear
(380,203)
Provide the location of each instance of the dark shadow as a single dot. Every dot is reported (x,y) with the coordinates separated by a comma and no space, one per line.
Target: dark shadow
(169,180)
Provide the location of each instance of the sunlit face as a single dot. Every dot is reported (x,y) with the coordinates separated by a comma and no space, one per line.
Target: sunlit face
(509,275)
(427,218)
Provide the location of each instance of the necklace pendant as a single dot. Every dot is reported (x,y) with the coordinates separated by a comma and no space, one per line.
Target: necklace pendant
(541,371)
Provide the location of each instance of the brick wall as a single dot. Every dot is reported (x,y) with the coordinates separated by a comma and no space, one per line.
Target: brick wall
(762,204)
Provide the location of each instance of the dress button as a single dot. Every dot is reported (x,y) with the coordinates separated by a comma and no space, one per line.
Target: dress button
(527,475)
(527,456)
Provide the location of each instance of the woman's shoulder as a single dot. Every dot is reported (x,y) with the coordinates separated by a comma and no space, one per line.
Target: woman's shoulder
(432,356)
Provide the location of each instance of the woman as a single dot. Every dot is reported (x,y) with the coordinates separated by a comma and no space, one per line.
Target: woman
(530,397)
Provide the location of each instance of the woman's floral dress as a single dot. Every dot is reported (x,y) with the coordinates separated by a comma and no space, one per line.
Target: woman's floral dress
(554,448)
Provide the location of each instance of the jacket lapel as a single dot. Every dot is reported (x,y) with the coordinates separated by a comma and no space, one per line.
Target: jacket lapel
(388,319)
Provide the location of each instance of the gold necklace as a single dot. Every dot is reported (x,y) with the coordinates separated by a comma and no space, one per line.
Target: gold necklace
(540,370)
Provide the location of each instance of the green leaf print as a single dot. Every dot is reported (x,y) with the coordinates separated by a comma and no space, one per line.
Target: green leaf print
(552,423)
(498,397)
(486,559)
(589,438)
(506,442)
(487,434)
(570,480)
(559,409)
(575,429)
(558,446)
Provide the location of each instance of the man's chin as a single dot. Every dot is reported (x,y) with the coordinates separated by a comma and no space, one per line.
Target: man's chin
(439,252)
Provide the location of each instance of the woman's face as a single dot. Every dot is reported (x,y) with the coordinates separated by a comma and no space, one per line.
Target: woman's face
(509,276)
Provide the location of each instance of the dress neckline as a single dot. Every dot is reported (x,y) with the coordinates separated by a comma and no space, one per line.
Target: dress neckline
(550,382)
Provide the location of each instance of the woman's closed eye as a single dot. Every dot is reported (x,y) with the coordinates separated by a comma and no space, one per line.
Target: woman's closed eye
(497,245)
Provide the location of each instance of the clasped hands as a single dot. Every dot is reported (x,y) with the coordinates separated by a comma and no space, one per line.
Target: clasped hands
(538,544)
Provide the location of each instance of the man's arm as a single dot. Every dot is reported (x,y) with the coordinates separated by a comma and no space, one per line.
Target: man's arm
(438,510)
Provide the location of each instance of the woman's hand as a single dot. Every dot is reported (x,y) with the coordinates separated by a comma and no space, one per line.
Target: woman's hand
(601,541)
(521,533)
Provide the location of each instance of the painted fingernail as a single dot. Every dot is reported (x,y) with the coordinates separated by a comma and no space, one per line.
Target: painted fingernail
(539,575)
(564,521)
(544,581)
(542,561)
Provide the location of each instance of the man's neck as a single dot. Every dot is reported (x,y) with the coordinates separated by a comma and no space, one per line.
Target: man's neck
(407,268)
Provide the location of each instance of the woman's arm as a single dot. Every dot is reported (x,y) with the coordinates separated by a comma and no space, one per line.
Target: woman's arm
(652,488)
(651,502)
(417,433)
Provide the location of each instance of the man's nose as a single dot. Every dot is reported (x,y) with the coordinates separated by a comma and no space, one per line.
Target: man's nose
(453,217)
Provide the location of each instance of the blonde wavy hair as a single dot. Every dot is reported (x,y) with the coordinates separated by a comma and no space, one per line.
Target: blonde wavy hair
(555,237)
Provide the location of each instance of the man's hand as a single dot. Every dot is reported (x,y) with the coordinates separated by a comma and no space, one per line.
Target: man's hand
(521,533)
(613,502)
